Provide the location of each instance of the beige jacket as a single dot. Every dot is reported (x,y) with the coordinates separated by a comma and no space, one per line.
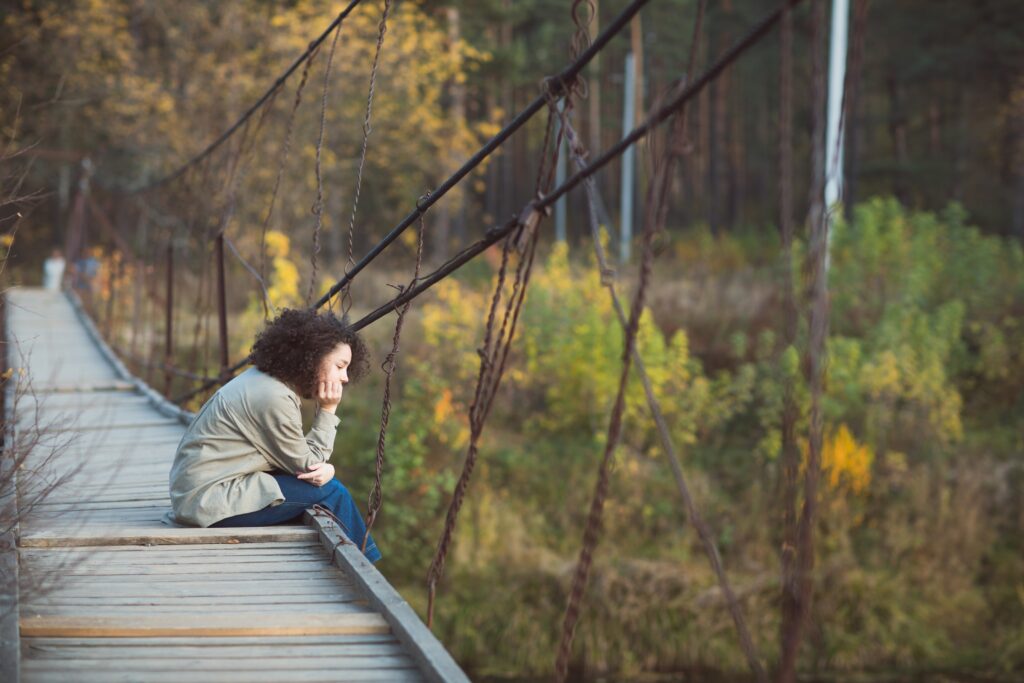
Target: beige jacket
(251,426)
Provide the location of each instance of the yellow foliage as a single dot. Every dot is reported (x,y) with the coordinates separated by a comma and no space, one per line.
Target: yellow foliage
(277,244)
(845,463)
(283,289)
(443,407)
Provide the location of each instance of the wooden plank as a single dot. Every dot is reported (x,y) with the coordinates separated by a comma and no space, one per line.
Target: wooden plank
(86,488)
(106,477)
(341,665)
(219,641)
(71,416)
(121,674)
(81,469)
(94,519)
(252,624)
(123,493)
(217,558)
(60,560)
(82,385)
(95,399)
(59,650)
(152,499)
(328,588)
(164,535)
(76,566)
(87,405)
(101,610)
(82,475)
(153,422)
(125,443)
(297,600)
(312,544)
(435,662)
(281,564)
(209,578)
(149,453)
(164,430)
(168,583)
(152,452)
(75,571)
(125,510)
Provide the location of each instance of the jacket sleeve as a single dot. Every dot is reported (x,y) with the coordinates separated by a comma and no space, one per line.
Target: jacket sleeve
(281,438)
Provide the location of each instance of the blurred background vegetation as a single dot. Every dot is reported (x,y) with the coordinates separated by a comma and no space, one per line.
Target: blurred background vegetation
(920,550)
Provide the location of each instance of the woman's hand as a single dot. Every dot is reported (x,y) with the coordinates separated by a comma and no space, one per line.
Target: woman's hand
(319,474)
(328,395)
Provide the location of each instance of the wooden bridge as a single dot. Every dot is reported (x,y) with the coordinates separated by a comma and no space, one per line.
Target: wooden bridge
(100,590)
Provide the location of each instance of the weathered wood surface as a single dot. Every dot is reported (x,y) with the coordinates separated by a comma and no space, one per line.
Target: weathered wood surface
(107,592)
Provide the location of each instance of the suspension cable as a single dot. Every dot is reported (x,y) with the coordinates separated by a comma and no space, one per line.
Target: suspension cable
(565,76)
(382,29)
(541,204)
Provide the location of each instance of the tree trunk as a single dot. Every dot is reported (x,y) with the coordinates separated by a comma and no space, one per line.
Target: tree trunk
(643,147)
(1017,150)
(962,146)
(814,359)
(492,190)
(451,206)
(457,116)
(898,135)
(719,171)
(737,160)
(790,461)
(594,87)
(507,187)
(699,161)
(713,151)
(854,138)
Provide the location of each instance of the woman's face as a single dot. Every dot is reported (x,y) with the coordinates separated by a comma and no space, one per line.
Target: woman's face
(334,366)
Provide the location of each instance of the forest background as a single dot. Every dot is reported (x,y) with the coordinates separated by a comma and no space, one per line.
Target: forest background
(920,557)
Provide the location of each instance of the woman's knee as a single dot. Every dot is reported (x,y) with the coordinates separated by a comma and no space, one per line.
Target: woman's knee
(336,488)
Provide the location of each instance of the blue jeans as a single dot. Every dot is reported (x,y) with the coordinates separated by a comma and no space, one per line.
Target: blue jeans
(299,495)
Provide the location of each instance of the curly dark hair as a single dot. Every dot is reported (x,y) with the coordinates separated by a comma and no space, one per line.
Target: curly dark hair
(292,346)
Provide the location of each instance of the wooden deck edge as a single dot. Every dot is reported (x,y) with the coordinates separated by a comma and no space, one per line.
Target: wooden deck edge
(164,406)
(10,636)
(434,660)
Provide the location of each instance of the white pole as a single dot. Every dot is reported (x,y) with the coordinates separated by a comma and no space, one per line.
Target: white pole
(836,77)
(834,142)
(628,115)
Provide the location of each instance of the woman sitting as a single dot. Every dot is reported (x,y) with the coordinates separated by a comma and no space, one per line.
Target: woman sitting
(244,460)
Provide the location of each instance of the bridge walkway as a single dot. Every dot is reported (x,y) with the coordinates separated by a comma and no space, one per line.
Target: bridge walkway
(103,591)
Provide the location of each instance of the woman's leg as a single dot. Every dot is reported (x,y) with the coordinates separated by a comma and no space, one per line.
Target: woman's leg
(299,495)
(340,502)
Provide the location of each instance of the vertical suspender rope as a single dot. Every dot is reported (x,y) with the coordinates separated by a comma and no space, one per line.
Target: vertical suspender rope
(693,513)
(382,28)
(318,202)
(493,356)
(388,366)
(285,150)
